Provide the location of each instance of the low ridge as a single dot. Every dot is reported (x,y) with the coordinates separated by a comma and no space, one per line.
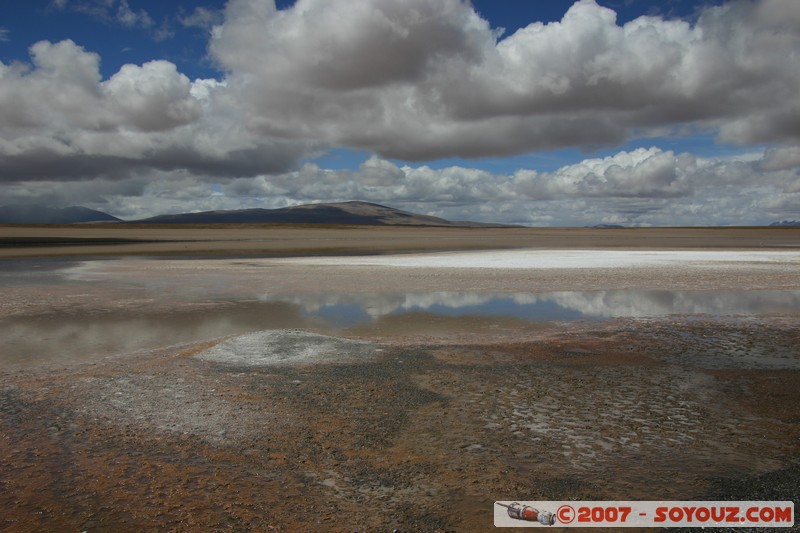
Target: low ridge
(36,214)
(347,213)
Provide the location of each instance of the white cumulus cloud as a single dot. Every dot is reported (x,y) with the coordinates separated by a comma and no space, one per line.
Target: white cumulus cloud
(421,79)
(59,119)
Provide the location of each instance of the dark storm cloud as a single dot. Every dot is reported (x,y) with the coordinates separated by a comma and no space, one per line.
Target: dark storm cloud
(44,165)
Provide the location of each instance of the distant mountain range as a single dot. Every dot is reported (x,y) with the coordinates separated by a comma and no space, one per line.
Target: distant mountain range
(349,213)
(33,214)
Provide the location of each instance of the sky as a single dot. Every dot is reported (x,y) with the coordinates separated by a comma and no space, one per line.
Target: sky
(557,113)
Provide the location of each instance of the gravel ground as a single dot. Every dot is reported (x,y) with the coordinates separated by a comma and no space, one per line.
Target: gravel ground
(779,485)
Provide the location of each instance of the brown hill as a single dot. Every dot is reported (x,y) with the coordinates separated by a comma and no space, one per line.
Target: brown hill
(348,213)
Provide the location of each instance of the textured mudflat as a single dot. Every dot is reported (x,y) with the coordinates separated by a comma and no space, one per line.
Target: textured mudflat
(195,437)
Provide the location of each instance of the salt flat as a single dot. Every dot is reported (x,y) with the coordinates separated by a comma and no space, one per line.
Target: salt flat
(552,259)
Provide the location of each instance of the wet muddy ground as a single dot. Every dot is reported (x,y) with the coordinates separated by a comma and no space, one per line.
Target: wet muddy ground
(223,412)
(406,437)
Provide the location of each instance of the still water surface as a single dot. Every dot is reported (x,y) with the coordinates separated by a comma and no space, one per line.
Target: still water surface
(351,309)
(54,337)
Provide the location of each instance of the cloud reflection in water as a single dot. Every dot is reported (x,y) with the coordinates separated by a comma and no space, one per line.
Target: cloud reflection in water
(349,309)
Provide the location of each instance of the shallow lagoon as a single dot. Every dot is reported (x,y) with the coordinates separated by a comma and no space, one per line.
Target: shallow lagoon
(70,334)
(353,309)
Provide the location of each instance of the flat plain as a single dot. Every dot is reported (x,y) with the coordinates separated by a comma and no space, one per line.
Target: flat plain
(129,239)
(369,379)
